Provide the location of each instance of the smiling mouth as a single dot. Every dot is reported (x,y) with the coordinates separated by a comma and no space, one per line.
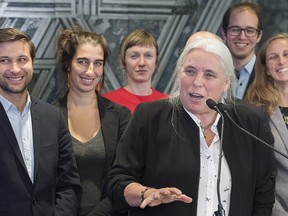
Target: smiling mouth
(87,80)
(238,44)
(15,78)
(282,70)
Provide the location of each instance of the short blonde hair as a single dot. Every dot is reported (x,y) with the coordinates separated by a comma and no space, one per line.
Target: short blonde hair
(138,37)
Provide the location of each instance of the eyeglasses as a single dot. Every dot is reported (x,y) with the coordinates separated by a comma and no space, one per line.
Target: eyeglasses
(236,30)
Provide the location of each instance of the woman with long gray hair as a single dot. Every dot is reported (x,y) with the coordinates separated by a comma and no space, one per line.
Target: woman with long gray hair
(167,159)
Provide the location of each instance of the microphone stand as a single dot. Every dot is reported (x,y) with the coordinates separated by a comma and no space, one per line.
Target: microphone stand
(220,211)
(223,108)
(213,105)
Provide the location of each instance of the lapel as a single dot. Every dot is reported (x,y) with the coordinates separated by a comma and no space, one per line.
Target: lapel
(109,117)
(36,128)
(8,132)
(278,125)
(109,123)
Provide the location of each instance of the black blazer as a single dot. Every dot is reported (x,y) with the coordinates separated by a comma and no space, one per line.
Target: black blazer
(56,189)
(114,119)
(160,148)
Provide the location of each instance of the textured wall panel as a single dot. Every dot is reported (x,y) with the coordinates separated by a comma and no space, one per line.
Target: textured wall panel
(170,21)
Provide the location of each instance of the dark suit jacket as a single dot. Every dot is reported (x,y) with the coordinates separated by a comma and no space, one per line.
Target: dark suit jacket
(114,119)
(160,148)
(56,189)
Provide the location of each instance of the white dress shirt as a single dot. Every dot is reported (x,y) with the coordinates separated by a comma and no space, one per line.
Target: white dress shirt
(22,127)
(209,159)
(240,84)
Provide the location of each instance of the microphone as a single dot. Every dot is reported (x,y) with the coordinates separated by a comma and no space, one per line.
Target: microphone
(213,105)
(224,108)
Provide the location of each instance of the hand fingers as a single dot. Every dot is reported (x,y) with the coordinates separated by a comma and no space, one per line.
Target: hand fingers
(173,190)
(165,195)
(185,198)
(152,200)
(174,197)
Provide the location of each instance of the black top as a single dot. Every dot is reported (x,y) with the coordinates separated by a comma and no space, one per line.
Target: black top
(284,111)
(90,158)
(114,119)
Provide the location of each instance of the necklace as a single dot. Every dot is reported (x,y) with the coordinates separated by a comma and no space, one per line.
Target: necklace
(203,129)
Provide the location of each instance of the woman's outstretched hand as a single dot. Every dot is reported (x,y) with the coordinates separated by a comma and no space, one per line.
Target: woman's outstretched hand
(155,197)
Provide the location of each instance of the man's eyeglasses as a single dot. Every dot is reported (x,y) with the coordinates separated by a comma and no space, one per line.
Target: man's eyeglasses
(236,30)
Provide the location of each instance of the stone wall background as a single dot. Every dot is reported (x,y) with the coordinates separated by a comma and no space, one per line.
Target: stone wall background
(170,21)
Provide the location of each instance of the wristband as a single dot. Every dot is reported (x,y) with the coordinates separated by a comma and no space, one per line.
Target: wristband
(143,192)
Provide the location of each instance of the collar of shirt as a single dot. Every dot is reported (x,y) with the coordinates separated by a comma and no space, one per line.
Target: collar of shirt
(198,122)
(240,84)
(8,105)
(249,66)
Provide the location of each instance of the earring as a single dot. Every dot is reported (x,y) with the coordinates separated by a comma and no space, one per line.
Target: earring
(98,87)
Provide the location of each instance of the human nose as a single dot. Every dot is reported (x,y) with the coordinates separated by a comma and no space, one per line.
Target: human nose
(142,61)
(197,81)
(90,68)
(242,33)
(282,60)
(15,67)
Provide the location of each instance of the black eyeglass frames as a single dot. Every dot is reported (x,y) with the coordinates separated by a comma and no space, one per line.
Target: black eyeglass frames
(236,30)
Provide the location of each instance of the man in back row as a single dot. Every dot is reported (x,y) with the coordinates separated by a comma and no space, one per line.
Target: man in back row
(242,31)
(38,170)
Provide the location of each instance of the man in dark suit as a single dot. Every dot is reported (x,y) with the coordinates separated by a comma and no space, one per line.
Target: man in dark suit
(37,167)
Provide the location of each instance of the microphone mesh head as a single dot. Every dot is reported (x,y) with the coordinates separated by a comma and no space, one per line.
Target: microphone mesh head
(211,103)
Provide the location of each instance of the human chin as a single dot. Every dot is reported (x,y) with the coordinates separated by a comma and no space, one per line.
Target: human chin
(241,54)
(13,89)
(190,105)
(195,109)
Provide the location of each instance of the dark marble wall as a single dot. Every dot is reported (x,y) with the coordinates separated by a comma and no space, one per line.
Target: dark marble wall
(170,21)
(274,17)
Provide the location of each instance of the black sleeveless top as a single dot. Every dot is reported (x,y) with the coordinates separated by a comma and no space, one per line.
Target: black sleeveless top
(284,111)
